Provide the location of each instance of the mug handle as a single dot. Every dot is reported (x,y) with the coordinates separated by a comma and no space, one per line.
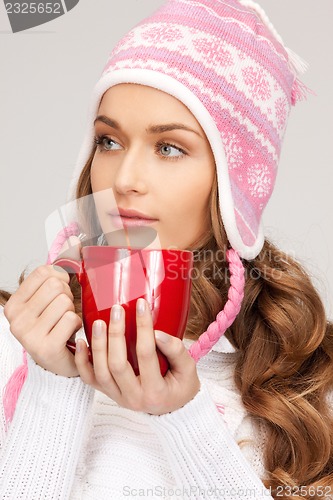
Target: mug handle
(69,265)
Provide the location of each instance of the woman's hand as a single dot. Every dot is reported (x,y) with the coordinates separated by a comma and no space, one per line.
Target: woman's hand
(113,375)
(42,318)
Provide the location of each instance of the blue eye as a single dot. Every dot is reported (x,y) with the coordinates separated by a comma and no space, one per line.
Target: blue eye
(106,143)
(170,151)
(164,149)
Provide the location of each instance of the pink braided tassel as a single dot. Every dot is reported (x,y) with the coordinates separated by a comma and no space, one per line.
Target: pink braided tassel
(299,92)
(14,385)
(13,388)
(227,316)
(71,230)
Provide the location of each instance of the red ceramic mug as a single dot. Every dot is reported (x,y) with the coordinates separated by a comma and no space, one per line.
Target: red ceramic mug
(114,275)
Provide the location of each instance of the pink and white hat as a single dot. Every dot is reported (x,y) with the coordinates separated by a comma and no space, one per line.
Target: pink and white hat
(224,60)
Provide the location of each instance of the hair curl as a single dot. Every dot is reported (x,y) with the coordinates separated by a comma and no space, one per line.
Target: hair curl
(285,365)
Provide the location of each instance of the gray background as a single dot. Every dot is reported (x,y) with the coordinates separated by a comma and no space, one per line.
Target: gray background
(47,74)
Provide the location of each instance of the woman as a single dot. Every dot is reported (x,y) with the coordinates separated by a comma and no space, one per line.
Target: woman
(186,127)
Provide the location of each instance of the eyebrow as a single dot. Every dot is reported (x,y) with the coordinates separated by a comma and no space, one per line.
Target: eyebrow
(154,129)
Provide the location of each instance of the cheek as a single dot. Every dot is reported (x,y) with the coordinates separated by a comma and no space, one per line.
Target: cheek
(102,189)
(196,196)
(98,177)
(93,175)
(198,204)
(191,211)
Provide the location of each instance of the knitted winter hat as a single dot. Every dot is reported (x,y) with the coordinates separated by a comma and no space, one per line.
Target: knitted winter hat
(224,60)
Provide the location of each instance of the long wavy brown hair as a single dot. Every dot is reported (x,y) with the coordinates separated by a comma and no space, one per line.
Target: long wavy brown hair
(284,370)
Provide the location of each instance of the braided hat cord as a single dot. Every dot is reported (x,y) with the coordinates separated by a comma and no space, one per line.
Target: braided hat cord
(227,316)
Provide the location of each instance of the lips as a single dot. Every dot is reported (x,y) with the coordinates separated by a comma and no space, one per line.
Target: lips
(130,218)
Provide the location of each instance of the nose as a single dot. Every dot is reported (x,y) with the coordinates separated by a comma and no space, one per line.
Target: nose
(131,174)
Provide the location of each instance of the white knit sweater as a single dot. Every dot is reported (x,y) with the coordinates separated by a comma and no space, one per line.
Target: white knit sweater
(67,441)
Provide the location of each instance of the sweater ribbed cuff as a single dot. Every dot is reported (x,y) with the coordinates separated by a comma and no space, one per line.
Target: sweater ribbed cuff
(39,456)
(205,458)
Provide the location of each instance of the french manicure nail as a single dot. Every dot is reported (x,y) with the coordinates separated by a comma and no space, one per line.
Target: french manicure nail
(116,312)
(141,307)
(79,345)
(98,328)
(161,336)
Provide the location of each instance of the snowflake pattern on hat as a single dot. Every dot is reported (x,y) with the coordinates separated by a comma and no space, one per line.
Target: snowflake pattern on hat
(259,180)
(281,110)
(215,51)
(162,34)
(257,83)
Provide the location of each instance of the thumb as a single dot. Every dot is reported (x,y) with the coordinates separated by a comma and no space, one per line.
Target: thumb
(176,352)
(71,248)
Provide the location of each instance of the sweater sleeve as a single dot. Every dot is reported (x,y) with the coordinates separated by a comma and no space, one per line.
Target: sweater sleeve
(205,459)
(40,451)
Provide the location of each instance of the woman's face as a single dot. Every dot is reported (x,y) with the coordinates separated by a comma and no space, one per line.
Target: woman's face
(154,155)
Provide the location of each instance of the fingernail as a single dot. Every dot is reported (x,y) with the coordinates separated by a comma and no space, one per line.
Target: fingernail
(98,328)
(79,345)
(161,336)
(141,307)
(116,312)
